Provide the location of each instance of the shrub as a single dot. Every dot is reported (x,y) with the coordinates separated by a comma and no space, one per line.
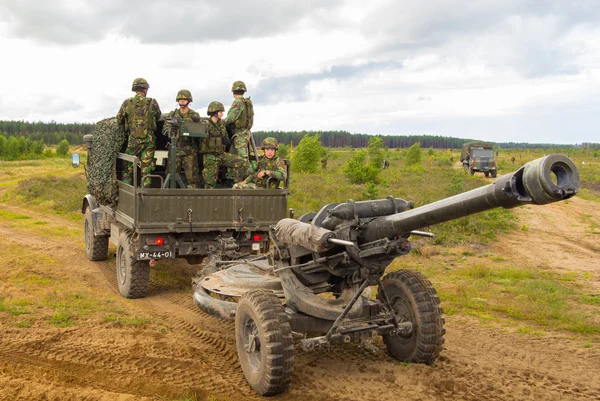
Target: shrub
(63,148)
(283,151)
(413,154)
(359,172)
(306,157)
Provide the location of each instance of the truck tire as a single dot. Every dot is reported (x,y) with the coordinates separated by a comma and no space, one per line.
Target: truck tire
(414,299)
(264,342)
(96,246)
(471,171)
(494,173)
(133,276)
(487,174)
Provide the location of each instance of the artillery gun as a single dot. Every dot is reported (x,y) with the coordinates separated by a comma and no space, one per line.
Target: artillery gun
(315,280)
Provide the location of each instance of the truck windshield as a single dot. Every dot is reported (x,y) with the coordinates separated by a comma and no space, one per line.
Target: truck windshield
(482,153)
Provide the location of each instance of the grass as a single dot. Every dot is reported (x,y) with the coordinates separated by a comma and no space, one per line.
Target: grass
(37,294)
(469,280)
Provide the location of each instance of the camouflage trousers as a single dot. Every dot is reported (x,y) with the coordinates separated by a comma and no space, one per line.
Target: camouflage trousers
(236,166)
(142,148)
(187,156)
(239,146)
(249,185)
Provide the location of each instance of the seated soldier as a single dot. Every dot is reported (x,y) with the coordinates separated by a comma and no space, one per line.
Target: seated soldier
(270,169)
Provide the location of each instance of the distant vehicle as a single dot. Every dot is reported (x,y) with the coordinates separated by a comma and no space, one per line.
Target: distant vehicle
(479,157)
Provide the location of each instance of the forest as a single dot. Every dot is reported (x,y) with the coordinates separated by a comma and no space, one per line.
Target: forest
(22,139)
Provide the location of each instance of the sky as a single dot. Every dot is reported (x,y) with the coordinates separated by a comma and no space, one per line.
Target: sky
(496,70)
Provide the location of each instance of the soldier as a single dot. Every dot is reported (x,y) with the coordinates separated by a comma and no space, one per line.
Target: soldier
(187,147)
(239,119)
(213,147)
(270,169)
(138,116)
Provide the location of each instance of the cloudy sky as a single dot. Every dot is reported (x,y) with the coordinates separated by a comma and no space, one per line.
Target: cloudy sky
(500,70)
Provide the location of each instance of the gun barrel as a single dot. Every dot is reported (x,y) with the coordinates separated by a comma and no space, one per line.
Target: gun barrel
(549,179)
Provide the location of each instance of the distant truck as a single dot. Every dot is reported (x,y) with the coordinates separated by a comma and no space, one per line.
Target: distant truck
(479,157)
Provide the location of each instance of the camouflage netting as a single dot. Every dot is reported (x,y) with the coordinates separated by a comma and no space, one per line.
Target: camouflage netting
(102,174)
(313,238)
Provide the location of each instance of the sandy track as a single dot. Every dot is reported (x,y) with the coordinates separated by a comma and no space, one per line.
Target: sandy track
(186,352)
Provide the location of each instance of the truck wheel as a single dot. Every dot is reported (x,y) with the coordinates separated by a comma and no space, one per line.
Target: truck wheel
(494,173)
(414,299)
(133,276)
(471,171)
(487,174)
(96,246)
(264,342)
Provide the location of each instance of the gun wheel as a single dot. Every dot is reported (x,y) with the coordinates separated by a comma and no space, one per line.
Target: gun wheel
(414,299)
(96,246)
(264,342)
(133,276)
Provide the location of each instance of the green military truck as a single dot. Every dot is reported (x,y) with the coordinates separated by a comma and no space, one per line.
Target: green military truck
(163,222)
(479,157)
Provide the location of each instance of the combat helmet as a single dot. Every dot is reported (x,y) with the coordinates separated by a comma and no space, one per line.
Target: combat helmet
(184,94)
(214,107)
(139,83)
(269,143)
(238,86)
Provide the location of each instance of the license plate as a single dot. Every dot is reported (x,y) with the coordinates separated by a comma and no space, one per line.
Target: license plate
(155,255)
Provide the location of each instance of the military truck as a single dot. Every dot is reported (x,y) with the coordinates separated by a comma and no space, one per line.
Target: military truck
(166,220)
(479,157)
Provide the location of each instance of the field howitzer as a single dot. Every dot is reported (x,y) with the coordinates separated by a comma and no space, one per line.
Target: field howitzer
(175,127)
(349,245)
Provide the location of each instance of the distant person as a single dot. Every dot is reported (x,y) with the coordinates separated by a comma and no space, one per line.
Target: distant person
(239,120)
(138,116)
(187,147)
(270,169)
(324,162)
(513,160)
(213,149)
(386,164)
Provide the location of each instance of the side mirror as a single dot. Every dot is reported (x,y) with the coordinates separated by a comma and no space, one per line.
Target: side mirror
(75,160)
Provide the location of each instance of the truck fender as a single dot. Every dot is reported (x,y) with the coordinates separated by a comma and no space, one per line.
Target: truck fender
(89,201)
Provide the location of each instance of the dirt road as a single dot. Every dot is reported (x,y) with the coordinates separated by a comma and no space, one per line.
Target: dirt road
(183,353)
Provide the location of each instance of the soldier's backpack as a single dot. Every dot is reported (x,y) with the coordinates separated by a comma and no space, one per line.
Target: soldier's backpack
(140,121)
(250,111)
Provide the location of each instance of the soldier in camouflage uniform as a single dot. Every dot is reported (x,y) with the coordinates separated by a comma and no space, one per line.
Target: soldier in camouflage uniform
(270,169)
(137,117)
(213,148)
(239,120)
(187,147)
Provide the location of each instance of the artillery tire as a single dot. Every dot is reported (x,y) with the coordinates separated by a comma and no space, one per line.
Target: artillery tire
(494,173)
(264,342)
(133,276)
(96,246)
(414,299)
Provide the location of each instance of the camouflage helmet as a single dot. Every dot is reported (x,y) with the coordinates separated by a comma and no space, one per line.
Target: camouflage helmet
(184,94)
(139,83)
(269,143)
(214,107)
(238,86)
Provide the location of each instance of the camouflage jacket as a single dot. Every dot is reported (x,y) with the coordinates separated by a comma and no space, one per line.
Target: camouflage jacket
(138,116)
(214,143)
(276,167)
(240,115)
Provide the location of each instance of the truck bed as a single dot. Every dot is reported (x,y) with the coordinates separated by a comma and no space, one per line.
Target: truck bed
(150,210)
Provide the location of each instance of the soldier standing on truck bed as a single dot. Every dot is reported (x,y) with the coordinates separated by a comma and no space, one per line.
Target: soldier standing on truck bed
(187,147)
(213,147)
(240,119)
(270,169)
(138,116)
